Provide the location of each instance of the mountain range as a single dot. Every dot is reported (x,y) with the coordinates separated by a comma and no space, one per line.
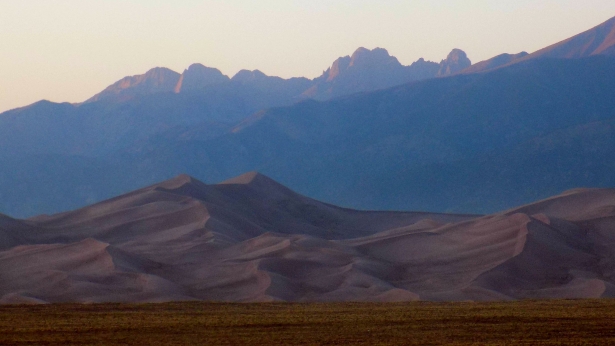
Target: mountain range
(369,133)
(138,107)
(365,70)
(251,239)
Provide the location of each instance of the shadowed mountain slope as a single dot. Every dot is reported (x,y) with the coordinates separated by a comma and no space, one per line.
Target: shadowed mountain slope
(540,167)
(252,239)
(416,143)
(466,143)
(100,128)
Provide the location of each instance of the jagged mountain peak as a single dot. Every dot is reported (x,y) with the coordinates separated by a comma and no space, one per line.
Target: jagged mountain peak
(361,60)
(457,60)
(367,70)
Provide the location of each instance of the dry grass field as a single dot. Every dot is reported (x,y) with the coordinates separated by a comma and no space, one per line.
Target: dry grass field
(568,322)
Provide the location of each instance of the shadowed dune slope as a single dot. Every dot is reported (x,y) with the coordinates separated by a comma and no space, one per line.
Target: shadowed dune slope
(12,232)
(252,239)
(7,226)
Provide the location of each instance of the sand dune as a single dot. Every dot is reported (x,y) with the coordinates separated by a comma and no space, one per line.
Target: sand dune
(252,239)
(12,232)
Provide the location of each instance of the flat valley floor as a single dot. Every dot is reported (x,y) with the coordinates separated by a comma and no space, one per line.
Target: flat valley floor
(563,322)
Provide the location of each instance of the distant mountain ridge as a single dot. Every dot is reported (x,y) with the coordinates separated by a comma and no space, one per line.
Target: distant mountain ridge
(365,70)
(468,143)
(599,40)
(163,101)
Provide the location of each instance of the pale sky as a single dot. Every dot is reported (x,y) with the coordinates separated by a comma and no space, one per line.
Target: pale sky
(68,50)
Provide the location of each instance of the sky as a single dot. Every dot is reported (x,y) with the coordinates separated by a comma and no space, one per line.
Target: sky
(69,50)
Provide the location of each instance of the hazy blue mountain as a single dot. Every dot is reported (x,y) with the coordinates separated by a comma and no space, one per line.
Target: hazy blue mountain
(99,128)
(41,144)
(121,118)
(37,184)
(578,156)
(363,151)
(164,103)
(271,87)
(472,142)
(447,144)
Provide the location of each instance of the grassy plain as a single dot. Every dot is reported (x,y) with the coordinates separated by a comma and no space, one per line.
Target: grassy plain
(567,322)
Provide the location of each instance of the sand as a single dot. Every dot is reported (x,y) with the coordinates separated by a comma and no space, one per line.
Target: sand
(252,239)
